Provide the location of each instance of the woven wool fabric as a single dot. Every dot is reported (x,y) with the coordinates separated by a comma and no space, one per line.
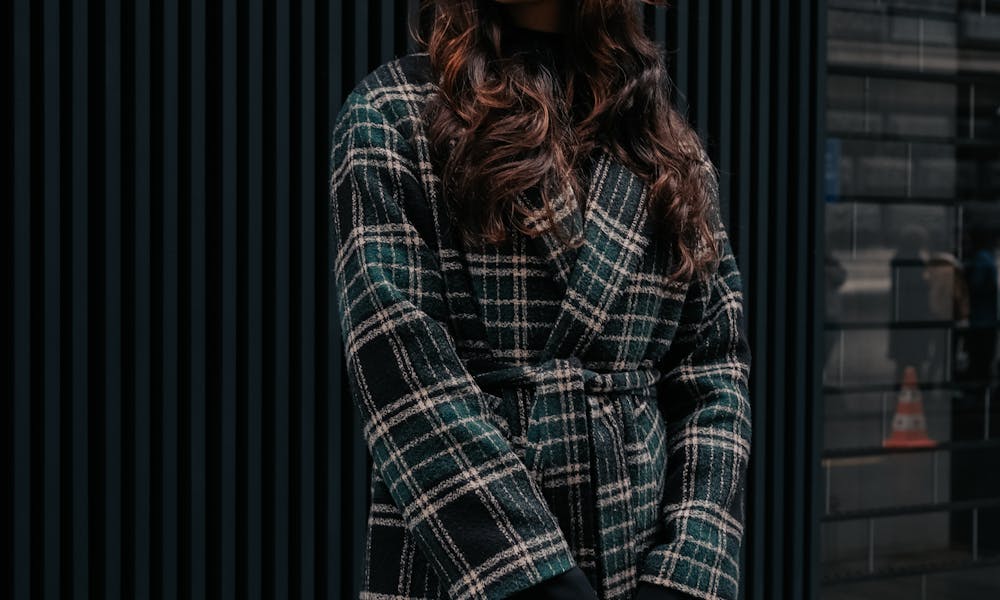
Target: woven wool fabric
(530,407)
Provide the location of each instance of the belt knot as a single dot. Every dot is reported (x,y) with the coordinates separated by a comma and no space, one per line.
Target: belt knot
(491,373)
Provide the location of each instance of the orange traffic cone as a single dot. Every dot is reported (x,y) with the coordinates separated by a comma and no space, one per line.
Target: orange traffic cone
(909,427)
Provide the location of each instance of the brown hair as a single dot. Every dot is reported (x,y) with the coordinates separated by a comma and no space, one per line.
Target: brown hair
(502,126)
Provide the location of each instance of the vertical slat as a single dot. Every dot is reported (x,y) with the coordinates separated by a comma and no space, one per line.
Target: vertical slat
(169,326)
(254,128)
(22,390)
(282,304)
(743,78)
(112,299)
(412,12)
(141,330)
(198,394)
(387,34)
(228,298)
(7,297)
(659,27)
(324,523)
(677,45)
(307,298)
(817,316)
(52,324)
(360,48)
(336,408)
(335,51)
(798,92)
(722,106)
(759,274)
(80,331)
(779,301)
(700,65)
(295,277)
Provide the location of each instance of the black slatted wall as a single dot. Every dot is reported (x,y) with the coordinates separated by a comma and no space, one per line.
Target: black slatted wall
(175,419)
(751,77)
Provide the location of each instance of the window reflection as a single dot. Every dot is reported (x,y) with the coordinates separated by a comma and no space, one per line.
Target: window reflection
(911,461)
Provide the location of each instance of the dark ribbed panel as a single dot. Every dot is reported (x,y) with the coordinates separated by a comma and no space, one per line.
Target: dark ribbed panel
(195,569)
(176,424)
(749,77)
(179,426)
(17,170)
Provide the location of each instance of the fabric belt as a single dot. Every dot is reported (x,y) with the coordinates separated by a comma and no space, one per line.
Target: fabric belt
(586,474)
(490,372)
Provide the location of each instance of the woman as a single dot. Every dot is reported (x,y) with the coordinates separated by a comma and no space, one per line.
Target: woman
(541,315)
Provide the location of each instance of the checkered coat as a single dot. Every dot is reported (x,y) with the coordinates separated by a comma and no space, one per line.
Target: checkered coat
(530,407)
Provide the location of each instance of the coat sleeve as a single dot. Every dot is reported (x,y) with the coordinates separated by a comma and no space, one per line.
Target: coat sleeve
(469,502)
(704,398)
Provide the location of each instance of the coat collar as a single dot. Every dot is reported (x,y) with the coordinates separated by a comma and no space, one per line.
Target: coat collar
(616,231)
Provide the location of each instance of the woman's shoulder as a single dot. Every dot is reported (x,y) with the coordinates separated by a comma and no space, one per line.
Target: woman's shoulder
(381,126)
(397,88)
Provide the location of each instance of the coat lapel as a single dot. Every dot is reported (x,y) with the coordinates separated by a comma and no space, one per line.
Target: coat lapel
(589,279)
(616,231)
(559,257)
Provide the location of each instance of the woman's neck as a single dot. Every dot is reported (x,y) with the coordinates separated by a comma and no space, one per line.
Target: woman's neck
(542,15)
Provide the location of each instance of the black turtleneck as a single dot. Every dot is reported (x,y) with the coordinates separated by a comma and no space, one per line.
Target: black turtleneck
(547,47)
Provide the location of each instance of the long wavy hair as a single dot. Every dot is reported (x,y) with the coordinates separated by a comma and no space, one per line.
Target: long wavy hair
(502,125)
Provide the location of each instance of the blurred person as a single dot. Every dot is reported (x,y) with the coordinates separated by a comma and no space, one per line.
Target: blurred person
(974,405)
(948,301)
(980,284)
(836,276)
(909,295)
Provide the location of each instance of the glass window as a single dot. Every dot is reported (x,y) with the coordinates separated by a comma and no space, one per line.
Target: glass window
(911,459)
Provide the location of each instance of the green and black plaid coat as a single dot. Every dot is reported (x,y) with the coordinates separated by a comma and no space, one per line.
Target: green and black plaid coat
(531,408)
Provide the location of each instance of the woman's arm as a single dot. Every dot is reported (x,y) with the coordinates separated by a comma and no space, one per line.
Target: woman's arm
(704,398)
(468,500)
